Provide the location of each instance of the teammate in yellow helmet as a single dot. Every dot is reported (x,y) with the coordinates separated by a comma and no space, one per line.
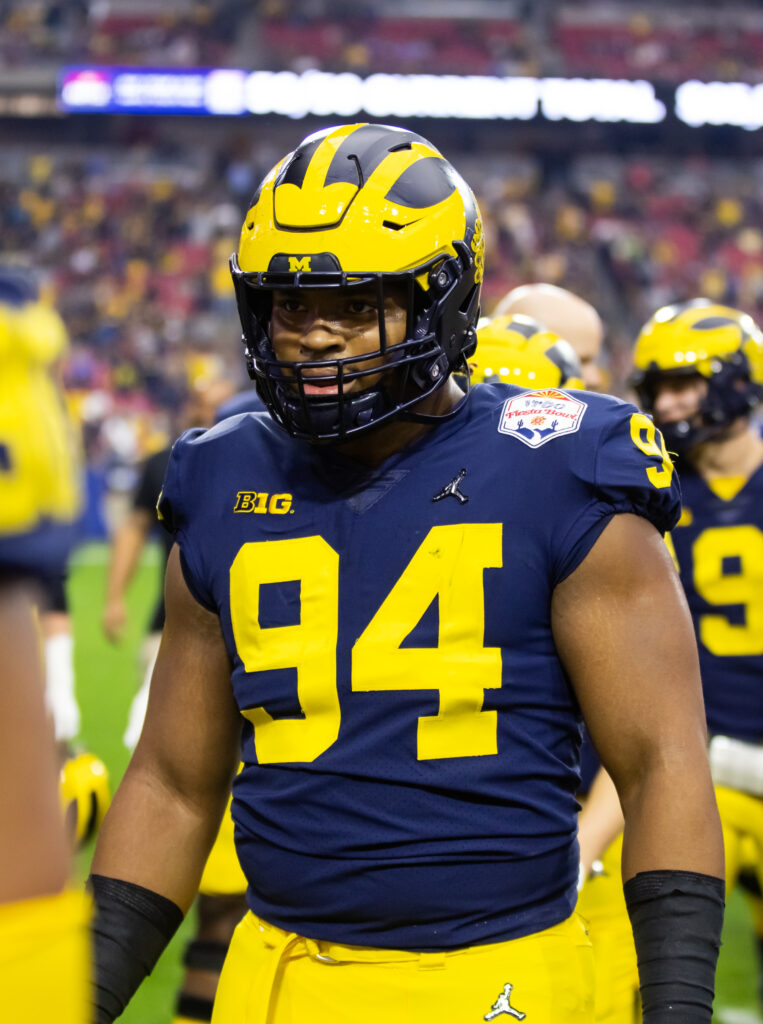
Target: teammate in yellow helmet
(518,350)
(698,370)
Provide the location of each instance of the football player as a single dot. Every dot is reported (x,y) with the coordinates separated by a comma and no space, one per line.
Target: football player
(44,951)
(84,780)
(699,372)
(405,595)
(567,315)
(518,350)
(220,904)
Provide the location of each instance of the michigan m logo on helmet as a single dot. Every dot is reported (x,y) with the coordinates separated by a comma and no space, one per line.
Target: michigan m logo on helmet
(362,205)
(721,344)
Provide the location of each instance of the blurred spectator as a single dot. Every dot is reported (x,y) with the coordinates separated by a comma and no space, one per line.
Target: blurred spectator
(131,238)
(593,38)
(132,243)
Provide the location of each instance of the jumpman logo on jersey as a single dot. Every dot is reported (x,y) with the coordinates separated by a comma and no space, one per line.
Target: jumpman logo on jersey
(453,489)
(503,1005)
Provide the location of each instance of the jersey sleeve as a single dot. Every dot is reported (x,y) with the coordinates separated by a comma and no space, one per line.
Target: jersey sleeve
(622,466)
(172,509)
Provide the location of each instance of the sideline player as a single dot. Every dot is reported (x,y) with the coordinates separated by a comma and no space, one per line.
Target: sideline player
(220,904)
(84,779)
(133,534)
(501,355)
(601,902)
(44,954)
(567,315)
(406,594)
(699,372)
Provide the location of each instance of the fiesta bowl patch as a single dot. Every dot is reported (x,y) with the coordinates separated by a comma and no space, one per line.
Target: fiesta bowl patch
(539,416)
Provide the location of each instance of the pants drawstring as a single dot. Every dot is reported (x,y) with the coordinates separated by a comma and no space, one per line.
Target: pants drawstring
(277,952)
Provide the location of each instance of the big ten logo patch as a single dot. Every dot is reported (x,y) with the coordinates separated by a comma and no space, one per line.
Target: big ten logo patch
(263,502)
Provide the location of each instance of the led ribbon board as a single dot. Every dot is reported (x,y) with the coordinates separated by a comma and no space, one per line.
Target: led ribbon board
(234,92)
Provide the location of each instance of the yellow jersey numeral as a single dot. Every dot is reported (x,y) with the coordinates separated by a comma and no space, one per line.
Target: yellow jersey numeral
(650,441)
(448,566)
(743,545)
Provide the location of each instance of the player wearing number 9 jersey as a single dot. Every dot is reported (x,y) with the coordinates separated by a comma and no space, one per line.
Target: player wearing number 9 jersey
(44,954)
(398,598)
(699,370)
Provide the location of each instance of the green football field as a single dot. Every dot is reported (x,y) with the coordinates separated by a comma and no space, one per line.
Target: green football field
(107,678)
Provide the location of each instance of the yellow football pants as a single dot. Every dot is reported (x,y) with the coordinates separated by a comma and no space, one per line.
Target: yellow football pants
(602,906)
(222,873)
(742,823)
(45,960)
(276,977)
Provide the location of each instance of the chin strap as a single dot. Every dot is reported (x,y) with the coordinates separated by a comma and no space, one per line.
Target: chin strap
(462,375)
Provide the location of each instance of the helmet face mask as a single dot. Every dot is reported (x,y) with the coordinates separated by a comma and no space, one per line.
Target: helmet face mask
(700,339)
(429,258)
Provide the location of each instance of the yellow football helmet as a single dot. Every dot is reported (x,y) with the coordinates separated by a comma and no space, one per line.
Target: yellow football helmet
(719,343)
(518,350)
(362,204)
(85,795)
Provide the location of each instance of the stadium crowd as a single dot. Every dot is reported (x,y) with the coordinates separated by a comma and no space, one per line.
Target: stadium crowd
(132,242)
(591,38)
(132,237)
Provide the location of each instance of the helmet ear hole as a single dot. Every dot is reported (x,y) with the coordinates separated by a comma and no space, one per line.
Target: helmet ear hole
(471,344)
(467,307)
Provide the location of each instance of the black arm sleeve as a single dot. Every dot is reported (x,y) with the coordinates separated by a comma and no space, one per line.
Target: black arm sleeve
(132,926)
(677,918)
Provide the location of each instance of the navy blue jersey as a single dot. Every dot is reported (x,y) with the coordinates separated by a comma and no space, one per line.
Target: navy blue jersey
(719,549)
(411,741)
(589,764)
